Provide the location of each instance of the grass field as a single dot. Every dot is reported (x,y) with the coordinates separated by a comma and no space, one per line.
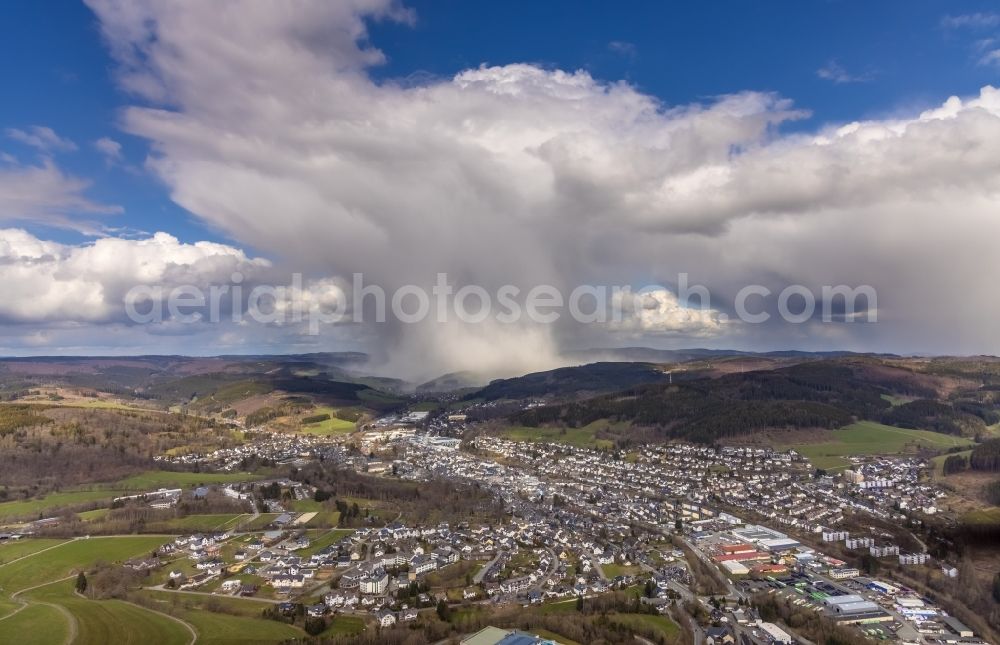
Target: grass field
(91,516)
(222,629)
(23,547)
(869,438)
(90,404)
(261,522)
(196,523)
(306,506)
(103,493)
(989,515)
(32,508)
(65,559)
(897,400)
(324,518)
(614,570)
(457,574)
(325,540)
(53,609)
(331,426)
(344,626)
(661,624)
(938,461)
(154,479)
(35,625)
(111,621)
(581,437)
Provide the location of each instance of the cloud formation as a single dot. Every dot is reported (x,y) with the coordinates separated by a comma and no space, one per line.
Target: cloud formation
(71,297)
(41,138)
(979,20)
(110,149)
(265,123)
(837,73)
(623,48)
(44,193)
(50,282)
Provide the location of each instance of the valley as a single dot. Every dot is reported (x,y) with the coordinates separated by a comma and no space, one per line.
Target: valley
(265,498)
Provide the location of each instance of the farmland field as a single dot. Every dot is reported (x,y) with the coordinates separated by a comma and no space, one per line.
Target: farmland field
(153,479)
(36,625)
(331,426)
(217,628)
(987,516)
(21,548)
(65,559)
(111,621)
(938,461)
(104,493)
(869,438)
(31,508)
(198,523)
(584,437)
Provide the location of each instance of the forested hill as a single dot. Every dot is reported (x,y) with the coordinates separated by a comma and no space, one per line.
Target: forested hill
(820,394)
(594,378)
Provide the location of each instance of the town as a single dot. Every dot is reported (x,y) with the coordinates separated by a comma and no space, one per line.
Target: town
(727,542)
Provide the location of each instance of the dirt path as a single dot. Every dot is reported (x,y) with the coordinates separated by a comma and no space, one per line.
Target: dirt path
(31,555)
(70,618)
(20,607)
(74,629)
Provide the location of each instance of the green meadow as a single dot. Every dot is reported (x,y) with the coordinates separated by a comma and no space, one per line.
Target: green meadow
(154,479)
(71,556)
(46,610)
(199,523)
(24,547)
(36,624)
(109,621)
(30,509)
(328,427)
(583,437)
(238,621)
(344,626)
(324,540)
(662,624)
(870,438)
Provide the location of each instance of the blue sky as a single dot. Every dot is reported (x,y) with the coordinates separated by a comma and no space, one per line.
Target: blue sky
(59,73)
(770,143)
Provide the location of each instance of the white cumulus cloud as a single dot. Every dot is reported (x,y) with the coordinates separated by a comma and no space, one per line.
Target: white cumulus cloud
(266,123)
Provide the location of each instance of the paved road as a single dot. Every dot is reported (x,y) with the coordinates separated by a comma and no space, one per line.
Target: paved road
(540,585)
(478,578)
